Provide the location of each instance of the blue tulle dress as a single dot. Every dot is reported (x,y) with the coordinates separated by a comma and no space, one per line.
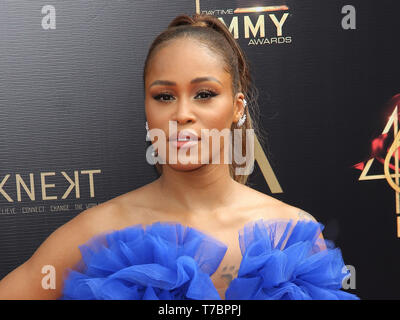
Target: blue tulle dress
(281,260)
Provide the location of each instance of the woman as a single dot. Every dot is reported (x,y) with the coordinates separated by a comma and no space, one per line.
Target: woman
(177,237)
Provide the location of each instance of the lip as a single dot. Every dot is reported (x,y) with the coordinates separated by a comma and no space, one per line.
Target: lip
(183,144)
(191,134)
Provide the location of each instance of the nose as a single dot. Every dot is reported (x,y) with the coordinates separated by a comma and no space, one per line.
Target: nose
(184,112)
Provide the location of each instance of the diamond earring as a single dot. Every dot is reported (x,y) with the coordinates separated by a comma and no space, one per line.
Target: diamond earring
(147,132)
(243,118)
(148,138)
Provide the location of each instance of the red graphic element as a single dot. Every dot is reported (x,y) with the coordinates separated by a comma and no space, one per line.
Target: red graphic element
(381,145)
(377,145)
(359,166)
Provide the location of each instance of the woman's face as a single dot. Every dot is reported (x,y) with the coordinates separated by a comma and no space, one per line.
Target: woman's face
(187,84)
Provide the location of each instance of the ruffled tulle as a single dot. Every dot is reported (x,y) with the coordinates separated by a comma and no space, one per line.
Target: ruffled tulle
(164,261)
(284,260)
(281,259)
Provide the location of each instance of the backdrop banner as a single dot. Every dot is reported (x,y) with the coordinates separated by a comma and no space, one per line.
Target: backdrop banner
(72,118)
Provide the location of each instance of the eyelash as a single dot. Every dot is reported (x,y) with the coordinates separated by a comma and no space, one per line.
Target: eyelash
(210,92)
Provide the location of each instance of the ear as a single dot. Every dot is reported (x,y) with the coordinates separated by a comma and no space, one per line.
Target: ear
(239,107)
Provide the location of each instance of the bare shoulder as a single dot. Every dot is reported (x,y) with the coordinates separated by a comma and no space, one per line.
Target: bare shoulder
(96,219)
(287,211)
(272,208)
(277,209)
(296,213)
(58,253)
(78,231)
(125,210)
(292,212)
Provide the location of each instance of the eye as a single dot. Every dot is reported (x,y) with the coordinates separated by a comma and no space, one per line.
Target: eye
(206,94)
(163,97)
(203,94)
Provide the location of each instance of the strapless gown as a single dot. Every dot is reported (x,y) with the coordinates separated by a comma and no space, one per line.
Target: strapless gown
(281,260)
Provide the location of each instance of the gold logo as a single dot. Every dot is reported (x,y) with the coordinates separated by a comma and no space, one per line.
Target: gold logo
(377,150)
(254,31)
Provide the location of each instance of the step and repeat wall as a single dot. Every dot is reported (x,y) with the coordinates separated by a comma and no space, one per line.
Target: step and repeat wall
(72,120)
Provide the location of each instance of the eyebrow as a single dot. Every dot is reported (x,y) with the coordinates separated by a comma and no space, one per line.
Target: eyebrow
(195,80)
